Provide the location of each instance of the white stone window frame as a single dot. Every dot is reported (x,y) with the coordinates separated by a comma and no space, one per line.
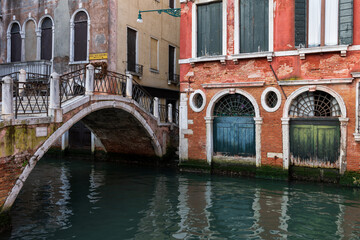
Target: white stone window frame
(342,119)
(237,31)
(8,37)
(194,27)
(72,37)
(157,70)
(192,98)
(263,99)
(38,34)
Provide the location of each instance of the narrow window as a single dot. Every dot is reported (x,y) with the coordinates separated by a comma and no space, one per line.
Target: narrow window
(15,43)
(171,4)
(80,36)
(254,25)
(131,50)
(209,29)
(172,64)
(154,49)
(46,39)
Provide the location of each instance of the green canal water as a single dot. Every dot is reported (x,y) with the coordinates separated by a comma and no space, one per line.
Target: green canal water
(83,199)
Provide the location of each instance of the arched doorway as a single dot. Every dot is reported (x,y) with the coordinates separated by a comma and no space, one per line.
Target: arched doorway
(234,127)
(314,132)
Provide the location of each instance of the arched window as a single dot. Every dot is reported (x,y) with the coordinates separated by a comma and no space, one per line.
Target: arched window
(15,43)
(80,36)
(46,39)
(30,41)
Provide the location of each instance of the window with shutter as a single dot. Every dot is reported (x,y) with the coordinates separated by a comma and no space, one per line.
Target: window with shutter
(209,29)
(131,50)
(15,43)
(323,22)
(154,50)
(171,63)
(254,26)
(46,39)
(80,36)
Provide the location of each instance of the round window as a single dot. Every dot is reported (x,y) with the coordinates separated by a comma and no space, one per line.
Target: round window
(197,101)
(271,99)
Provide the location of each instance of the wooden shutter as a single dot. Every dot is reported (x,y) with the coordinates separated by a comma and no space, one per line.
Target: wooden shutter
(46,39)
(209,29)
(131,50)
(254,25)
(171,62)
(300,23)
(345,22)
(15,43)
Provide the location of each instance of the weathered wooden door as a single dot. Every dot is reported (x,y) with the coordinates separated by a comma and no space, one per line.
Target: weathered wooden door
(315,142)
(131,50)
(234,136)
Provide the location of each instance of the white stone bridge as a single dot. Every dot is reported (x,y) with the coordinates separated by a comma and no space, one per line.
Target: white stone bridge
(36,112)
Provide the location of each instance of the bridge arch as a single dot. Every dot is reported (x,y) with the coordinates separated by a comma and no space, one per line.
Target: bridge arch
(65,127)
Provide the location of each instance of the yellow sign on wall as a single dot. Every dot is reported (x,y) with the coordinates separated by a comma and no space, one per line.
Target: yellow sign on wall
(98,56)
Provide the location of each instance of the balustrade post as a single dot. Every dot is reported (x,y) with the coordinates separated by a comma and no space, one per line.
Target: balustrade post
(170,113)
(90,78)
(129,85)
(22,79)
(156,108)
(7,108)
(54,105)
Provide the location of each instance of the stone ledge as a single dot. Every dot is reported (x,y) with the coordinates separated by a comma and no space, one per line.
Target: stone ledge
(235,84)
(316,81)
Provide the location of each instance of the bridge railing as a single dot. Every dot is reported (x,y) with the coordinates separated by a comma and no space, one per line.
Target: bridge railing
(142,97)
(72,85)
(111,83)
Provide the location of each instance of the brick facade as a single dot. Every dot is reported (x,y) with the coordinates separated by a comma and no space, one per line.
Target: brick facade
(313,71)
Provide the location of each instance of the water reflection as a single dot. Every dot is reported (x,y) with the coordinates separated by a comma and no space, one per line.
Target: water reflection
(85,199)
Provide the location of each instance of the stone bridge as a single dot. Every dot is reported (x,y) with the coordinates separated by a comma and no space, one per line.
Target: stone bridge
(35,114)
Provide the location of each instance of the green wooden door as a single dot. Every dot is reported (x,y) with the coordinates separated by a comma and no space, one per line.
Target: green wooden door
(315,142)
(234,136)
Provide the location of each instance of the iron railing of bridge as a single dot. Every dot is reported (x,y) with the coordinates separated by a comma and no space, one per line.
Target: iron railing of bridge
(163,112)
(142,97)
(72,85)
(111,83)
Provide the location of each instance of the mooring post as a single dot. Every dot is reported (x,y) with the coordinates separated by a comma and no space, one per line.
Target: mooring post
(7,107)
(90,79)
(129,85)
(170,114)
(156,108)
(54,105)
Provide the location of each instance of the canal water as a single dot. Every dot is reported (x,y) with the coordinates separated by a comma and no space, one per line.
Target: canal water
(84,199)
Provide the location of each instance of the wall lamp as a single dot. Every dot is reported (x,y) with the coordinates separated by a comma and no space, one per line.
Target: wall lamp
(175,12)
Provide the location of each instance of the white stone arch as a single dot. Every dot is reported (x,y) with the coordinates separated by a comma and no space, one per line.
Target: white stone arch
(286,124)
(209,122)
(8,38)
(65,127)
(72,36)
(23,37)
(38,34)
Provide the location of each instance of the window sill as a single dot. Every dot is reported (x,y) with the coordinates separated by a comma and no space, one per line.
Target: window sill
(220,58)
(357,137)
(154,70)
(338,48)
(236,57)
(78,62)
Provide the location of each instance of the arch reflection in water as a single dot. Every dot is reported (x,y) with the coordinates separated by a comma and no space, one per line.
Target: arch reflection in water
(94,200)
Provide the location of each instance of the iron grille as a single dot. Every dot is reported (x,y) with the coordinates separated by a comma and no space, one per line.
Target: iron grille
(271,99)
(135,69)
(234,105)
(315,104)
(111,83)
(31,97)
(174,79)
(142,97)
(163,113)
(198,100)
(72,84)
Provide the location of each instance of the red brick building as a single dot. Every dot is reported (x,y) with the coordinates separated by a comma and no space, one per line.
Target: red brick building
(234,108)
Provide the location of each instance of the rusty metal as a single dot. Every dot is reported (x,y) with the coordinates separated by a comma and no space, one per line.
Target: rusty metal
(72,85)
